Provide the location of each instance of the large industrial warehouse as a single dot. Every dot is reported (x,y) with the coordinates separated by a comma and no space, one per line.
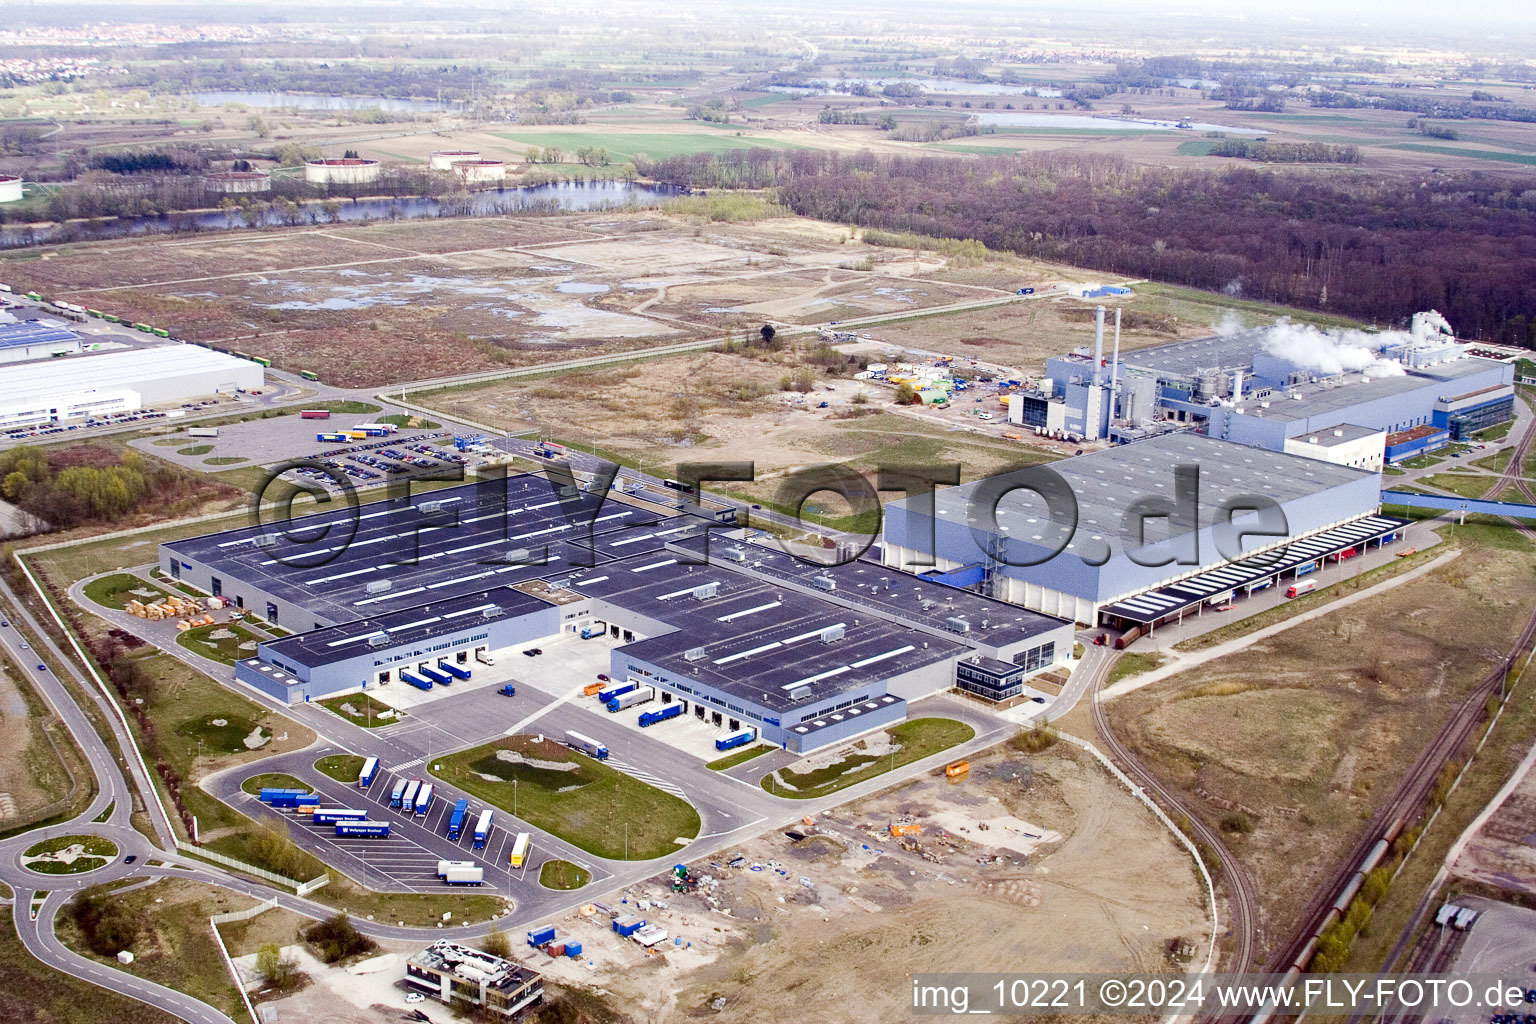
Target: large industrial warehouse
(747,636)
(1097,567)
(76,387)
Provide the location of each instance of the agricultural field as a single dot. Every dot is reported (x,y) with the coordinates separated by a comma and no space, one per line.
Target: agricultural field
(1289,745)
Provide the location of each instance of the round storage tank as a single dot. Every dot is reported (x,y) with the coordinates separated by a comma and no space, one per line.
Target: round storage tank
(238,182)
(480,171)
(344,171)
(10,189)
(443,160)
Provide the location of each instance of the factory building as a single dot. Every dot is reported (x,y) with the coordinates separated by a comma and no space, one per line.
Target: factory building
(25,340)
(742,634)
(10,189)
(1270,386)
(1129,524)
(341,171)
(62,390)
(461,976)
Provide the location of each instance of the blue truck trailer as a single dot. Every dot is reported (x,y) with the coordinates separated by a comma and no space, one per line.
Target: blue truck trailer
(423,799)
(331,815)
(414,680)
(652,717)
(362,828)
(456,820)
(735,739)
(483,829)
(441,679)
(408,801)
(397,793)
(453,670)
(604,696)
(368,774)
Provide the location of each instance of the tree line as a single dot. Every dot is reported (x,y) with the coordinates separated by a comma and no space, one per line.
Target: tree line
(1379,250)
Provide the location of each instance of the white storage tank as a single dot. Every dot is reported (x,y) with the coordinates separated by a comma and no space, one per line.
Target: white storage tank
(444,159)
(341,171)
(479,172)
(238,182)
(10,188)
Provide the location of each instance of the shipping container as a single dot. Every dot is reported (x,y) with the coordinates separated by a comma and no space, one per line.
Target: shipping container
(408,801)
(456,819)
(453,670)
(423,799)
(362,828)
(520,849)
(572,949)
(315,414)
(483,829)
(627,926)
(639,695)
(541,934)
(591,689)
(587,745)
(396,794)
(370,769)
(650,718)
(735,739)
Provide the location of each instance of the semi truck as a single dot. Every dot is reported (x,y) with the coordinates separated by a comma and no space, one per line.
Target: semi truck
(652,717)
(445,866)
(1304,587)
(362,828)
(639,695)
(461,875)
(315,414)
(508,690)
(332,438)
(374,429)
(735,739)
(587,745)
(408,801)
(331,815)
(423,799)
(453,670)
(456,819)
(269,794)
(366,776)
(520,849)
(604,696)
(414,680)
(483,829)
(397,793)
(433,674)
(288,801)
(203,432)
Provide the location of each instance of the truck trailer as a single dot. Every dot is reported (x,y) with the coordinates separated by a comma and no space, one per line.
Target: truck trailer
(444,866)
(433,674)
(650,718)
(315,414)
(520,849)
(331,815)
(483,829)
(370,771)
(408,801)
(397,793)
(459,875)
(362,828)
(453,670)
(738,738)
(604,696)
(333,438)
(423,799)
(639,695)
(415,680)
(587,745)
(456,819)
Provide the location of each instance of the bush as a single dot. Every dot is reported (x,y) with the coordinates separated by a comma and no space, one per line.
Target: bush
(1237,823)
(1036,738)
(108,925)
(497,944)
(335,939)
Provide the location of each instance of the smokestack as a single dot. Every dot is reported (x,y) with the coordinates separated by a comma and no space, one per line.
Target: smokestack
(1098,346)
(1114,364)
(1237,385)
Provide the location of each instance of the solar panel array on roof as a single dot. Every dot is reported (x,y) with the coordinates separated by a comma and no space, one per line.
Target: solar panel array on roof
(34,332)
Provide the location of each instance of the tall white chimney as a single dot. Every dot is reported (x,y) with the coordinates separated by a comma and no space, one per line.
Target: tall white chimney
(1098,345)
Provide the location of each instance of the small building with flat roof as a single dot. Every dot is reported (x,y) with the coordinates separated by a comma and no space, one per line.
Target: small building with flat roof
(460,976)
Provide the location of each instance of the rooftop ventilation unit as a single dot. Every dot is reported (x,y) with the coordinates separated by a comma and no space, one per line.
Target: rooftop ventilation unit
(517,556)
(957,624)
(556,585)
(800,693)
(706,592)
(824,583)
(490,613)
(430,506)
(568,491)
(379,586)
(736,554)
(379,640)
(266,540)
(832,634)
(694,654)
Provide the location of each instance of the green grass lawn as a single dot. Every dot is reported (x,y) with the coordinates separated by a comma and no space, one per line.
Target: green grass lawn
(218,734)
(226,649)
(1467,486)
(272,780)
(341,767)
(917,739)
(196,449)
(1421,462)
(1497,432)
(1198,147)
(116,591)
(347,406)
(225,460)
(1475,154)
(562,874)
(588,804)
(623,146)
(97,853)
(1133,665)
(366,710)
(737,757)
(401,419)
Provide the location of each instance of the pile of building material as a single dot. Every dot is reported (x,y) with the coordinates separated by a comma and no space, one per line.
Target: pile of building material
(172,607)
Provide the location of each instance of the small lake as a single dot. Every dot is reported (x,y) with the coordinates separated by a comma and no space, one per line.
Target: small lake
(315,101)
(561,195)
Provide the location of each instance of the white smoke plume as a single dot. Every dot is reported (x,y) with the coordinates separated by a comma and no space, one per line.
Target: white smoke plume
(1327,353)
(1230,324)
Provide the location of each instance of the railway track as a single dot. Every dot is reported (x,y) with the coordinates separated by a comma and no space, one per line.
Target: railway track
(1242,904)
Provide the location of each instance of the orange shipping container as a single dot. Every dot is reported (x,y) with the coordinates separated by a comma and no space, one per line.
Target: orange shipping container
(591,689)
(956,768)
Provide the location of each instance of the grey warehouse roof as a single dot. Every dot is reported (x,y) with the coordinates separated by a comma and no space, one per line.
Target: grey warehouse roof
(1335,394)
(1106,483)
(112,370)
(1339,433)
